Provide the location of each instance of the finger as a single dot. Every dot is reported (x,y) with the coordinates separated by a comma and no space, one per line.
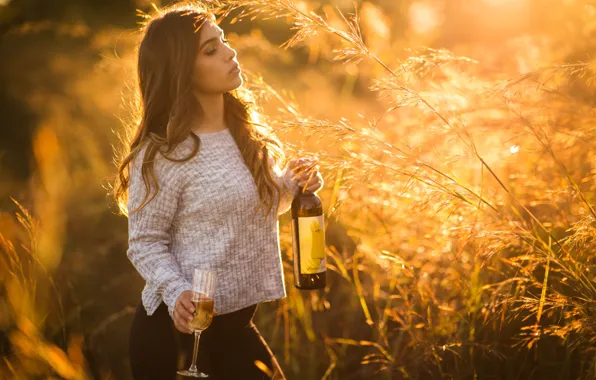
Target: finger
(300,160)
(292,164)
(306,166)
(318,179)
(310,171)
(182,323)
(187,304)
(177,323)
(306,175)
(315,185)
(301,163)
(184,315)
(315,182)
(313,178)
(305,182)
(183,327)
(307,162)
(187,329)
(302,179)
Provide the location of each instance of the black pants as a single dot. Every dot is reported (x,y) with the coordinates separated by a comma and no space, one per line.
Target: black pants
(227,349)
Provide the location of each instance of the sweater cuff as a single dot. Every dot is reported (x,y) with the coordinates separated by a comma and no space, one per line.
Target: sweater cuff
(290,184)
(170,297)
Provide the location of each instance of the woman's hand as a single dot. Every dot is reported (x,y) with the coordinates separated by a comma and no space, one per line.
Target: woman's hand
(184,312)
(306,172)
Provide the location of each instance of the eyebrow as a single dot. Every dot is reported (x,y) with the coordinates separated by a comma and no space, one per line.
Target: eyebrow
(211,40)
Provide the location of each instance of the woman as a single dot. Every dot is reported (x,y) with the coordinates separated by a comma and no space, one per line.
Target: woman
(203,190)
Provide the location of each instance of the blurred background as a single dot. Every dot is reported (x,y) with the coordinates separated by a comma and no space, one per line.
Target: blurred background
(456,138)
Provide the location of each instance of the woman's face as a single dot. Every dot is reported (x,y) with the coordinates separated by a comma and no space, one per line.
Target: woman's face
(216,68)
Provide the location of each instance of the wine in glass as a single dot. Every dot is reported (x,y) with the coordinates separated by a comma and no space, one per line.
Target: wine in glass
(203,285)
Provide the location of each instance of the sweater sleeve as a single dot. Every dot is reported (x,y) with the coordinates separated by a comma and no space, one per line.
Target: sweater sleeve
(149,230)
(289,189)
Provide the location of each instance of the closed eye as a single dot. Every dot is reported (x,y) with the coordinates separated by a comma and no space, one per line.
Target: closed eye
(214,50)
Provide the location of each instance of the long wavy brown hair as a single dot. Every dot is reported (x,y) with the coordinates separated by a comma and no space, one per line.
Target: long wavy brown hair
(166,57)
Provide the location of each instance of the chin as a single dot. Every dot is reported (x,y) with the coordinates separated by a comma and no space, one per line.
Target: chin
(229,85)
(237,82)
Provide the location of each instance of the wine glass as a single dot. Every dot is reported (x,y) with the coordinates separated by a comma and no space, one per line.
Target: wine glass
(203,290)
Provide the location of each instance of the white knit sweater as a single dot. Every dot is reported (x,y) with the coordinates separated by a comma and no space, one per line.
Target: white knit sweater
(202,218)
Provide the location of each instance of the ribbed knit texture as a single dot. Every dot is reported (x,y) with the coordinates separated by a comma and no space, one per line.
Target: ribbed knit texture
(202,218)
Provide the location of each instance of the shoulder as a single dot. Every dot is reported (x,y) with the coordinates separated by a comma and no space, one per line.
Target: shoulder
(167,166)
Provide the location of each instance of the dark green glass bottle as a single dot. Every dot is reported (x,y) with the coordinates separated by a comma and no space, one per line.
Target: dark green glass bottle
(308,238)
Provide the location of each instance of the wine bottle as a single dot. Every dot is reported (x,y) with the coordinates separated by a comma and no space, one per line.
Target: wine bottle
(308,239)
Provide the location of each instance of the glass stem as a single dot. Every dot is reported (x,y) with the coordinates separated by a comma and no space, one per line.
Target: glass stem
(193,367)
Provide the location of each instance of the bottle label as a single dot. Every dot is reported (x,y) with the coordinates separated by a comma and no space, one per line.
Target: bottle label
(311,233)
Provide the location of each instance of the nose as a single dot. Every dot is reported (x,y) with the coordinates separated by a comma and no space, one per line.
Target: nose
(231,53)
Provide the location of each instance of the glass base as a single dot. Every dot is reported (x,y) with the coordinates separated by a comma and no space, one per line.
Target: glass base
(193,374)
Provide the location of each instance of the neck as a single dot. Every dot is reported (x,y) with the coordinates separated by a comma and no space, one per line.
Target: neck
(212,118)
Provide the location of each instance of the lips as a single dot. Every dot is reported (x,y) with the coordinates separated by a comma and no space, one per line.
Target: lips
(234,69)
